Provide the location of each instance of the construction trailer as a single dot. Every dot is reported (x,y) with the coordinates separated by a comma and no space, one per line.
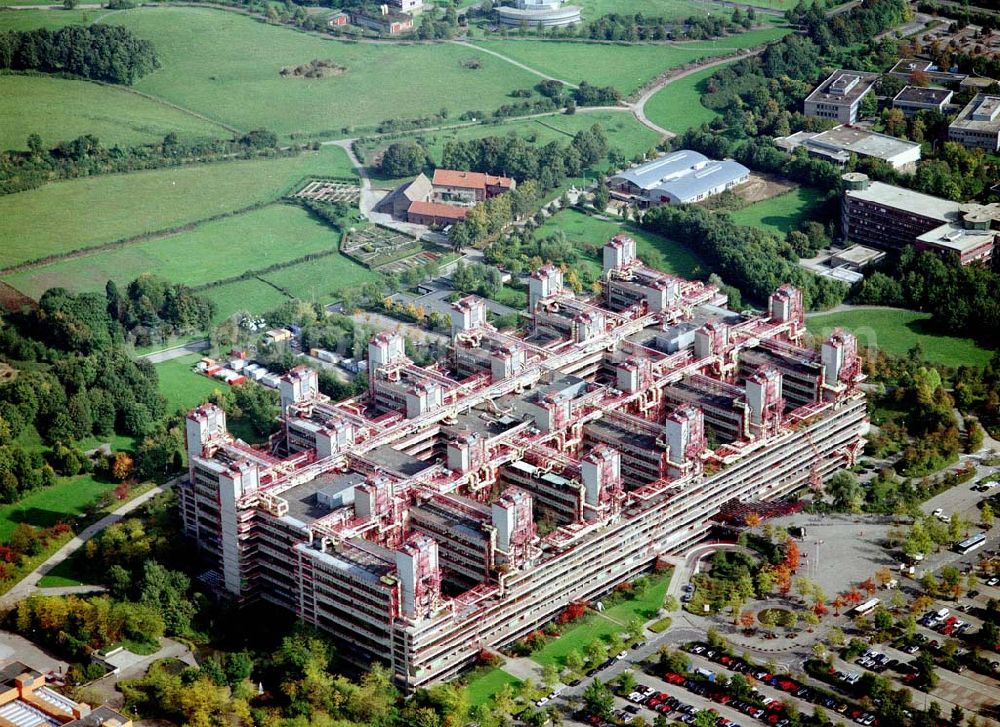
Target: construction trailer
(457,507)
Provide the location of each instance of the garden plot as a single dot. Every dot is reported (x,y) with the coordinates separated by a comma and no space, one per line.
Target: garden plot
(374,246)
(330,190)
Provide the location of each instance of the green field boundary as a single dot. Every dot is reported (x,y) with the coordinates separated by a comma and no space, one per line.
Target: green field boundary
(133,240)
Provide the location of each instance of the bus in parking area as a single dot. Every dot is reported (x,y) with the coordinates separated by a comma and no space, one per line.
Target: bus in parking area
(863,608)
(971,543)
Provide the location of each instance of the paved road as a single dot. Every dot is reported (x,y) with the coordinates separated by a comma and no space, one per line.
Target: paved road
(27,585)
(173,352)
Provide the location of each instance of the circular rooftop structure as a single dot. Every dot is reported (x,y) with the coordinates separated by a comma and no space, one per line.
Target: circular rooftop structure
(538,13)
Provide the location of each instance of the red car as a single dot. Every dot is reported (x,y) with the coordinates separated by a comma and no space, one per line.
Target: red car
(674,678)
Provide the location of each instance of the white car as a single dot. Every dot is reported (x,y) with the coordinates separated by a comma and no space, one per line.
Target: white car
(621,655)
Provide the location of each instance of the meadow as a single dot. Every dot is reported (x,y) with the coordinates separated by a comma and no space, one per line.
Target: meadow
(675,9)
(59,109)
(211,251)
(780,214)
(81,213)
(626,67)
(249,295)
(671,257)
(482,687)
(183,388)
(45,507)
(52,19)
(319,280)
(896,331)
(227,66)
(677,106)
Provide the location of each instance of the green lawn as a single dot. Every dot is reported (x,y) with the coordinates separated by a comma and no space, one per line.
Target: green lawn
(678,9)
(677,106)
(249,295)
(81,213)
(66,499)
(602,625)
(671,257)
(211,251)
(33,19)
(183,388)
(897,331)
(481,689)
(780,214)
(59,109)
(319,280)
(227,66)
(626,67)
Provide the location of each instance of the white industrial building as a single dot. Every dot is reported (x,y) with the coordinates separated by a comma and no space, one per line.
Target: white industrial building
(681,177)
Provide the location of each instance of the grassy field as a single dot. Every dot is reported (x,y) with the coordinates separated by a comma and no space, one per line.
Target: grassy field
(481,689)
(319,280)
(780,214)
(677,107)
(578,226)
(601,625)
(84,213)
(250,295)
(183,388)
(211,251)
(66,499)
(33,19)
(59,109)
(227,66)
(679,9)
(626,67)
(897,331)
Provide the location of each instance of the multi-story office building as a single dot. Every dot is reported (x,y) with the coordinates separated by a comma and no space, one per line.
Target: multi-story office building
(455,508)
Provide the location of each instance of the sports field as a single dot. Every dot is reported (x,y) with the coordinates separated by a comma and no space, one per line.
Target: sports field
(227,66)
(59,109)
(82,213)
(669,256)
(780,214)
(677,106)
(897,331)
(626,67)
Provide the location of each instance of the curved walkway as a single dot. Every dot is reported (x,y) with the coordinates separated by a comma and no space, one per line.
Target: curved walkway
(27,585)
(848,308)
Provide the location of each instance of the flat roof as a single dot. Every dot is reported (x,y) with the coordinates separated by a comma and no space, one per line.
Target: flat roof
(954,237)
(911,65)
(906,199)
(858,255)
(863,142)
(920,95)
(843,87)
(397,461)
(982,113)
(301,499)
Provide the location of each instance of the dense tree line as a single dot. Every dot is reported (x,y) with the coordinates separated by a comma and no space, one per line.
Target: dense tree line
(858,25)
(85,156)
(755,261)
(515,157)
(638,27)
(99,52)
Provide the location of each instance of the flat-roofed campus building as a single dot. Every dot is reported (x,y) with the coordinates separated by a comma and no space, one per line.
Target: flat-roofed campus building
(681,177)
(408,522)
(978,124)
(889,217)
(913,70)
(839,96)
(839,143)
(26,701)
(913,99)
